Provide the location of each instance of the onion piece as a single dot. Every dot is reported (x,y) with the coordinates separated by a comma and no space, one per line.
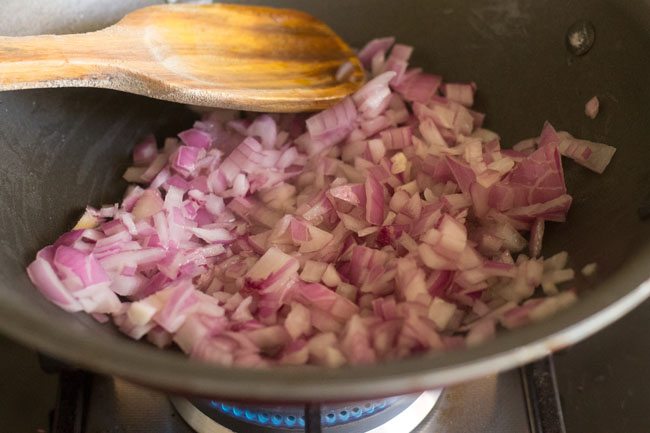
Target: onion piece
(591,107)
(145,151)
(332,125)
(196,138)
(536,235)
(589,269)
(380,45)
(460,92)
(594,156)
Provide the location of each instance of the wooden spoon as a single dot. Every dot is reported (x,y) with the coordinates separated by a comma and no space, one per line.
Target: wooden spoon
(241,57)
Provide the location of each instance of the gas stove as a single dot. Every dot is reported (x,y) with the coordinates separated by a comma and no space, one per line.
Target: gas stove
(602,385)
(89,403)
(112,405)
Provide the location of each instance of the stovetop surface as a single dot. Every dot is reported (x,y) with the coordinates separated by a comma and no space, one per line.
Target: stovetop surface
(117,406)
(604,385)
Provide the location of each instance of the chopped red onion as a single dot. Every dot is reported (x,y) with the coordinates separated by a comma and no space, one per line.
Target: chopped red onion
(536,236)
(344,72)
(44,277)
(418,87)
(331,126)
(196,138)
(386,225)
(594,156)
(460,92)
(591,107)
(145,152)
(589,269)
(372,48)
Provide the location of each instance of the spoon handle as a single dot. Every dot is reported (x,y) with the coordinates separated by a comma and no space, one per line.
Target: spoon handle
(56,61)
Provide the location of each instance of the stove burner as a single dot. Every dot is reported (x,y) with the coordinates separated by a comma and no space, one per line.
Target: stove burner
(293,417)
(392,415)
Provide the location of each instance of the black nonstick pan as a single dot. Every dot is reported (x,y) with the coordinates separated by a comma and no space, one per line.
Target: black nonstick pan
(61,149)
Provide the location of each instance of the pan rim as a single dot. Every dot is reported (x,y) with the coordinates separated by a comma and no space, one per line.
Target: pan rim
(174,373)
